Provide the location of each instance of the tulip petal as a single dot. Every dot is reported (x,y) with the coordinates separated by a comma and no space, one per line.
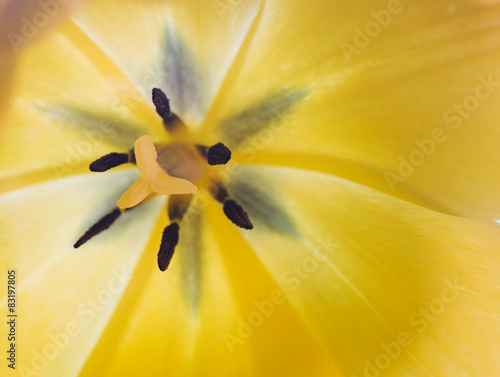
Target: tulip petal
(186,320)
(185,48)
(65,297)
(70,105)
(413,111)
(380,281)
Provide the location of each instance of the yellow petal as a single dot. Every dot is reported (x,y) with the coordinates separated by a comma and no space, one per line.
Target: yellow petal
(65,297)
(184,47)
(378,281)
(180,323)
(70,105)
(135,194)
(386,115)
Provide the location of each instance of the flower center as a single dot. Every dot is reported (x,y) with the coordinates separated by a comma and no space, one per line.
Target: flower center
(173,170)
(181,160)
(154,178)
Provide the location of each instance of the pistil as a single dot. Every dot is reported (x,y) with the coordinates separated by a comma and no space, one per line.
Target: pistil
(153,177)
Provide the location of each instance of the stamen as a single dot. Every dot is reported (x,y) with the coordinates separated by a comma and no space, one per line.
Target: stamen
(131,156)
(169,240)
(162,105)
(109,161)
(100,226)
(178,206)
(232,210)
(217,154)
(221,194)
(236,214)
(173,123)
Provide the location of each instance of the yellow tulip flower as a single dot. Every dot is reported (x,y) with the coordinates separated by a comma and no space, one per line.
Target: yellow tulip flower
(363,139)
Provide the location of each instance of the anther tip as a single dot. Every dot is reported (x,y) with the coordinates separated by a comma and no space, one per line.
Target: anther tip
(218,154)
(161,103)
(100,226)
(237,214)
(108,161)
(169,241)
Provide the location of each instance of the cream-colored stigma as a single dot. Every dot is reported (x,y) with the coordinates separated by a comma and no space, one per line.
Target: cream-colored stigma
(153,177)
